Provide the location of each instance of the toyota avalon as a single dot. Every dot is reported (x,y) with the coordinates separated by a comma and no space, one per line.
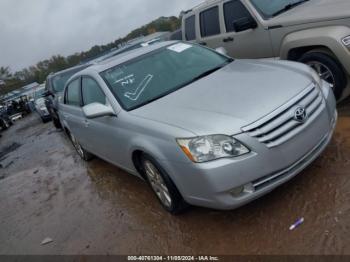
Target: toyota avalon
(200,127)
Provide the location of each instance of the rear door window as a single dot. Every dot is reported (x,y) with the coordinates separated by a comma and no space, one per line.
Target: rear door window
(209,21)
(233,11)
(73,93)
(91,92)
(190,28)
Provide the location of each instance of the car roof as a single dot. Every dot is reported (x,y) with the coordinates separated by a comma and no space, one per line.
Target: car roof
(205,4)
(69,69)
(124,57)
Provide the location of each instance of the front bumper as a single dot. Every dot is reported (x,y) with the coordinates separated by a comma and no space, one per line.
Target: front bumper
(212,184)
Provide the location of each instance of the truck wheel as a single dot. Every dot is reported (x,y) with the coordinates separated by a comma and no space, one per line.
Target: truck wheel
(56,122)
(162,186)
(329,69)
(3,125)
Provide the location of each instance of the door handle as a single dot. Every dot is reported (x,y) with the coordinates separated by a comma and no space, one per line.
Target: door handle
(86,123)
(228,39)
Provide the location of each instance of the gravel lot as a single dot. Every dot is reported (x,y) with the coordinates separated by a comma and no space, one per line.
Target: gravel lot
(95,208)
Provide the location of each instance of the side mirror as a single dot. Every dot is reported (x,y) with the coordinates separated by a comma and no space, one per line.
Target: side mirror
(96,110)
(47,94)
(222,50)
(245,23)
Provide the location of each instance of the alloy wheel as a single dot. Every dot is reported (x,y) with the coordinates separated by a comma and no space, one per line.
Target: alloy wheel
(157,183)
(77,146)
(323,71)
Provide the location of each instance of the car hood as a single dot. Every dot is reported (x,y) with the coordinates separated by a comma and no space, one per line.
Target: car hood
(312,12)
(230,98)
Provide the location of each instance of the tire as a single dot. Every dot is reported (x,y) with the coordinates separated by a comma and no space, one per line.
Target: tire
(173,202)
(322,63)
(56,122)
(85,155)
(5,125)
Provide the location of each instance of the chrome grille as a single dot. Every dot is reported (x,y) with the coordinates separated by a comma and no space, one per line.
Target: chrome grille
(280,126)
(270,179)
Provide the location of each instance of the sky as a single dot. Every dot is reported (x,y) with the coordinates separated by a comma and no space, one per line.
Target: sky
(34,30)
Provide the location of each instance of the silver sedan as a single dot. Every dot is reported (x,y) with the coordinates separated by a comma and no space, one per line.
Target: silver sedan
(200,127)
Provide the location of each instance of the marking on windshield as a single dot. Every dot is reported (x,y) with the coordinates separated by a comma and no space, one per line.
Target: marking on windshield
(179,48)
(139,90)
(128,80)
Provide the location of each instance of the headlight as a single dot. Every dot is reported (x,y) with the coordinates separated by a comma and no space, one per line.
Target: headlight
(346,41)
(208,148)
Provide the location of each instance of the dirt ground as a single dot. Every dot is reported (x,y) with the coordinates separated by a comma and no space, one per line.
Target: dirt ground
(95,208)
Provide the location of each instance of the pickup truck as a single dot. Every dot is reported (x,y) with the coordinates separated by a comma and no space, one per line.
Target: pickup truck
(314,32)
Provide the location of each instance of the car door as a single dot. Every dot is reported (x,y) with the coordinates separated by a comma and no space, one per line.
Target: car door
(240,43)
(101,135)
(71,110)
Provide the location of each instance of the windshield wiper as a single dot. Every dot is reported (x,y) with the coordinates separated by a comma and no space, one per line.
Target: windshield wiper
(206,73)
(288,7)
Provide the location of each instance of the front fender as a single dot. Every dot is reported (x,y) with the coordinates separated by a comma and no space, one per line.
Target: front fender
(329,37)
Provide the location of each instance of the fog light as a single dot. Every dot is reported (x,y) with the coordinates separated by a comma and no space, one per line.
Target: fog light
(242,190)
(236,192)
(249,188)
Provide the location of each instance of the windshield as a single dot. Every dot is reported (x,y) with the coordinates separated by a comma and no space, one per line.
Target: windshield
(156,74)
(38,93)
(59,81)
(270,8)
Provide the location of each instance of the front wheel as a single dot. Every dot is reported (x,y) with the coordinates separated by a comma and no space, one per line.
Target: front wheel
(161,184)
(85,155)
(329,69)
(56,122)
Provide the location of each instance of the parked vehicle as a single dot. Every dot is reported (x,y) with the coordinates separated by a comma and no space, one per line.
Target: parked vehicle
(39,104)
(53,90)
(18,108)
(316,33)
(200,127)
(5,121)
(176,35)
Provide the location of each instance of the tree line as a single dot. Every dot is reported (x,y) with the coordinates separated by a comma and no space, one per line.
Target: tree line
(39,72)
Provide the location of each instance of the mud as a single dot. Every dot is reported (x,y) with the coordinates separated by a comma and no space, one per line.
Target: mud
(95,208)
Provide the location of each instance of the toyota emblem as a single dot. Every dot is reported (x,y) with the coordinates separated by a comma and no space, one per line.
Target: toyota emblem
(300,115)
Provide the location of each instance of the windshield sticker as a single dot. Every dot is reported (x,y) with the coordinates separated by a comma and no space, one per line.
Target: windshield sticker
(114,74)
(179,48)
(128,80)
(139,90)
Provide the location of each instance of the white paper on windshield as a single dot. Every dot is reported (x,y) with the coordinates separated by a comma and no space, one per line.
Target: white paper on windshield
(179,48)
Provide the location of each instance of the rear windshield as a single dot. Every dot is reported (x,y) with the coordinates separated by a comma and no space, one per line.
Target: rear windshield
(38,93)
(156,74)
